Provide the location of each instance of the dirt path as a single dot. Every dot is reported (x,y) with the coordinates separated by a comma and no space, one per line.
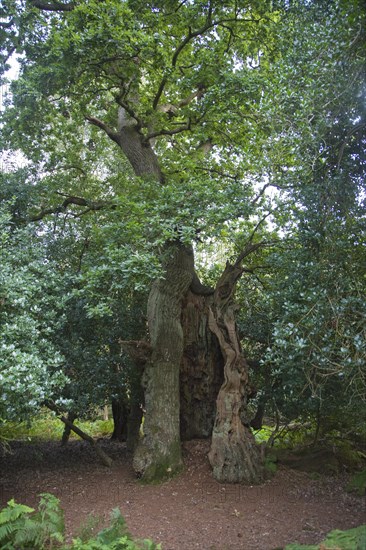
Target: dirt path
(191,511)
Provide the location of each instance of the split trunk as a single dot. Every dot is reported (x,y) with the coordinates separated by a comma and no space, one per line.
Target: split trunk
(195,353)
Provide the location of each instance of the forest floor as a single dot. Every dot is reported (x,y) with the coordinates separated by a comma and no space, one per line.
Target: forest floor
(190,511)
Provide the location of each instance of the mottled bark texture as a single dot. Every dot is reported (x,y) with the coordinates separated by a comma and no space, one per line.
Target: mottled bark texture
(201,374)
(158,454)
(234,455)
(140,154)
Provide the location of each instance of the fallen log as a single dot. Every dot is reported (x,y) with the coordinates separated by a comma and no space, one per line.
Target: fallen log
(107,461)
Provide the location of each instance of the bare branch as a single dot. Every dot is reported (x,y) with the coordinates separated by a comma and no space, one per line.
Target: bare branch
(68,167)
(234,177)
(107,461)
(260,194)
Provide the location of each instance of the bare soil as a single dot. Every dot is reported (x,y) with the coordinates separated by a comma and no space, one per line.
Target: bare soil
(188,512)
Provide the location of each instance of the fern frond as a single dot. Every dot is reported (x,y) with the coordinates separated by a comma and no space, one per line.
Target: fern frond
(6,530)
(13,511)
(117,529)
(21,527)
(26,534)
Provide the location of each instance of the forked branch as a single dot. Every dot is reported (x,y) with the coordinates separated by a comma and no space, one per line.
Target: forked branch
(100,124)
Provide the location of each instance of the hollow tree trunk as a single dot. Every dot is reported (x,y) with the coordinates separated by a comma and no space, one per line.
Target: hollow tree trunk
(234,455)
(201,374)
(158,454)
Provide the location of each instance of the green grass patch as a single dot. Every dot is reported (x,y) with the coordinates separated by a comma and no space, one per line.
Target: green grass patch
(46,427)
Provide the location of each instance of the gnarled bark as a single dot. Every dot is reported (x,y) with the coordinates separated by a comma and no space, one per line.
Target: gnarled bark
(234,455)
(158,454)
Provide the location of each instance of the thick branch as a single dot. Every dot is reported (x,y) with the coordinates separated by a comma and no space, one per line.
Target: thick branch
(100,124)
(79,201)
(124,108)
(7,56)
(261,193)
(159,92)
(190,36)
(52,6)
(163,132)
(198,288)
(197,93)
(139,350)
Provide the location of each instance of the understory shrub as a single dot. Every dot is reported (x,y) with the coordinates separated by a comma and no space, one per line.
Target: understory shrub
(22,528)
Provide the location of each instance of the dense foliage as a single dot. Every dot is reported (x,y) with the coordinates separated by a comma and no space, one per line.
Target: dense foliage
(257,115)
(30,315)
